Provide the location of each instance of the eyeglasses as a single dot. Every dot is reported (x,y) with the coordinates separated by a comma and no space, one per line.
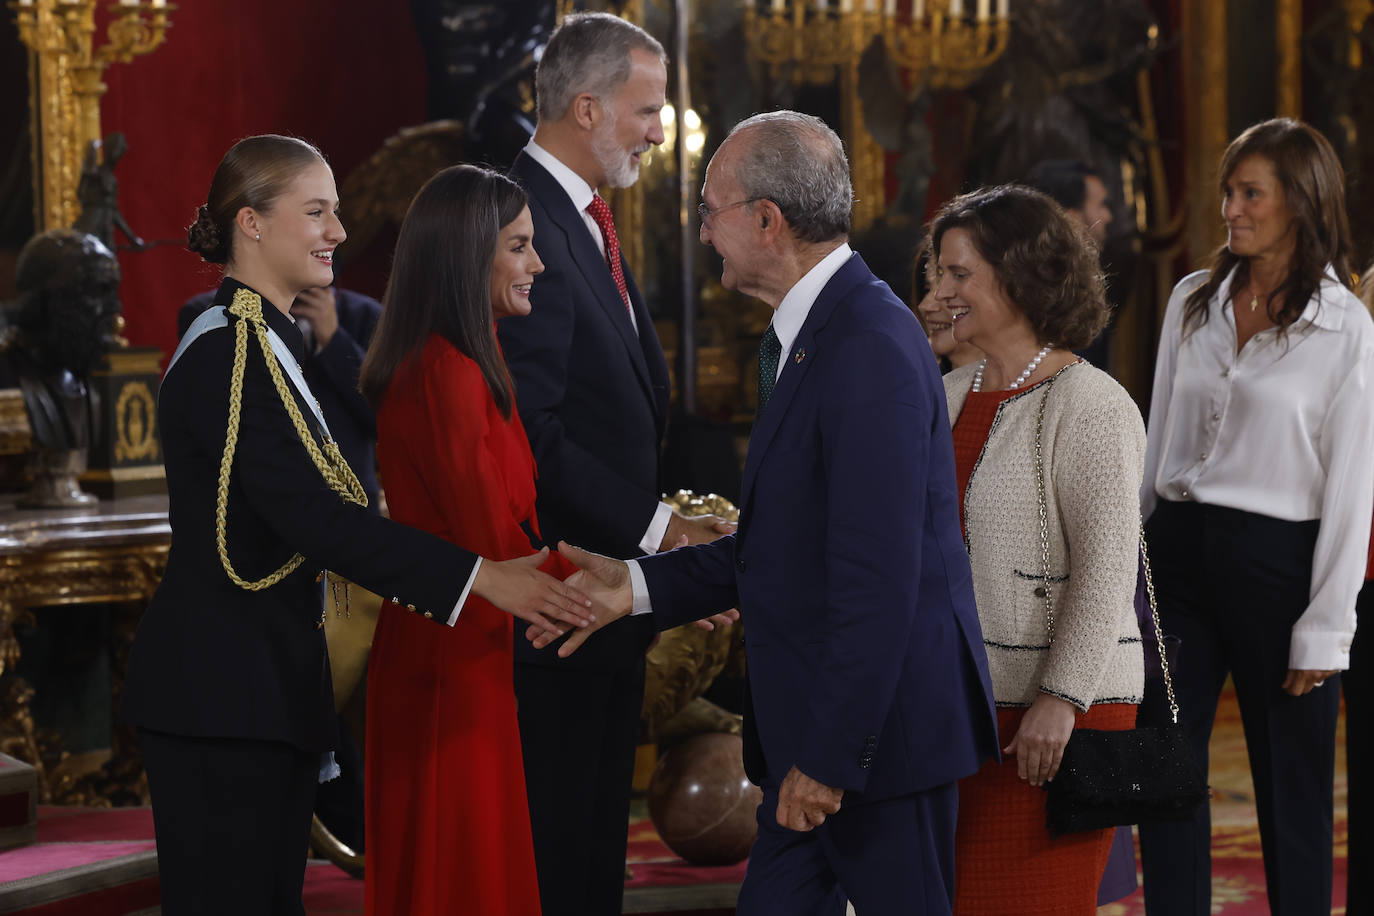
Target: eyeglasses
(705,213)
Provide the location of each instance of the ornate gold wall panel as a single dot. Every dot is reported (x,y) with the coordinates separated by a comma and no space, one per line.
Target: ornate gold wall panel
(66,83)
(1205,126)
(1289,44)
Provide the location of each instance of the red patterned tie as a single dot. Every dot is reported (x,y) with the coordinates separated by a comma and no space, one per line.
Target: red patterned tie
(601,212)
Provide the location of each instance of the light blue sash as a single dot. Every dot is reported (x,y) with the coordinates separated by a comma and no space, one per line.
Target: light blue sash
(213,318)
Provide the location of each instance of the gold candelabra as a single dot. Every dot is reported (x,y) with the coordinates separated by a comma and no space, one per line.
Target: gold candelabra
(946,43)
(949,42)
(66,82)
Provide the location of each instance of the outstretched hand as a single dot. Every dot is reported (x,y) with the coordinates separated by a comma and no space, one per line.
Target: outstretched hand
(686,530)
(605,581)
(521,589)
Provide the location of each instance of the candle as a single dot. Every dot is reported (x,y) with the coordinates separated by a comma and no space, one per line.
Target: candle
(159,3)
(777,6)
(26,2)
(870,6)
(983,10)
(956,8)
(822,5)
(846,6)
(128,2)
(918,12)
(1003,8)
(890,9)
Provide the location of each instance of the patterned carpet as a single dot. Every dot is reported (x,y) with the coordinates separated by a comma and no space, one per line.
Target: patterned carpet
(72,840)
(1237,867)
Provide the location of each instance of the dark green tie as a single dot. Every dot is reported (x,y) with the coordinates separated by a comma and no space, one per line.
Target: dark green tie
(770,349)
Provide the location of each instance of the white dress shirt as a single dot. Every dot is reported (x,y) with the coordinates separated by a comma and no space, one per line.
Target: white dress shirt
(580,193)
(788,319)
(1284,428)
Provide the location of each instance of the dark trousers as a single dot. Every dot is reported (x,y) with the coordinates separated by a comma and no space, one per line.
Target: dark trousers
(1358,684)
(233,823)
(893,857)
(1231,585)
(578,731)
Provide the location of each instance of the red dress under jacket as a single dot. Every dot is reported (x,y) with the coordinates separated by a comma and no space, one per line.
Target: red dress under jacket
(448,826)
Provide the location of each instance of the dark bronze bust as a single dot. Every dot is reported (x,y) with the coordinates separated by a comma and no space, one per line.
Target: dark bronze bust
(57,330)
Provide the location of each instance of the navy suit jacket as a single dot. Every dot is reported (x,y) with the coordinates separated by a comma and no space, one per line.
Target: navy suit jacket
(866,667)
(593,396)
(332,375)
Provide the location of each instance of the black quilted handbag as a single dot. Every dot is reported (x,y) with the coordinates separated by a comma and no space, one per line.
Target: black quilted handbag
(1113,778)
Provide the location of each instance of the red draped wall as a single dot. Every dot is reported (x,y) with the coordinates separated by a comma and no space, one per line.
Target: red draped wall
(344,74)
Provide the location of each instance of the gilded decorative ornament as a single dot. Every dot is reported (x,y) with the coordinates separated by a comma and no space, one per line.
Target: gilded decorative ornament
(135,424)
(687,659)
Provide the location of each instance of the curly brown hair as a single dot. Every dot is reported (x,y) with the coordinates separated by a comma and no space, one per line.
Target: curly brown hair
(1045,261)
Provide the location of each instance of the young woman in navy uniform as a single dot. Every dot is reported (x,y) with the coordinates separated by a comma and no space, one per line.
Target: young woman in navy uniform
(229,682)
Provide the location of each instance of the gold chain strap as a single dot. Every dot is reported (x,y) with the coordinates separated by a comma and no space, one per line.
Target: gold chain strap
(1159,632)
(247,306)
(1045,552)
(1044,512)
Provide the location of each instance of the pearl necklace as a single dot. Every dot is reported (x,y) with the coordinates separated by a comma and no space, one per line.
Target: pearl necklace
(1020,379)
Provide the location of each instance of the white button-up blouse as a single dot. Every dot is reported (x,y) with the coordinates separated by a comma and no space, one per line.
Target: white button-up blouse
(1283,428)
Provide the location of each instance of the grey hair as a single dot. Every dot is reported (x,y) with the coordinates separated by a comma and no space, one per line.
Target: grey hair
(589,52)
(796,161)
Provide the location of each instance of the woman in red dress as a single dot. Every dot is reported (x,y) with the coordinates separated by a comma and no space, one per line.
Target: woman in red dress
(447,822)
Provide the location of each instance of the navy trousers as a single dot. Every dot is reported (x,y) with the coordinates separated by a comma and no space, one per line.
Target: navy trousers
(232,818)
(1230,585)
(893,857)
(578,731)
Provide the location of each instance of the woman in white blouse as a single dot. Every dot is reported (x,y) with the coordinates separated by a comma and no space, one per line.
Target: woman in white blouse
(1258,483)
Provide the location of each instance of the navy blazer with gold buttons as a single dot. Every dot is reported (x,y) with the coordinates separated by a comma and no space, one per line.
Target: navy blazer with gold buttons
(211,659)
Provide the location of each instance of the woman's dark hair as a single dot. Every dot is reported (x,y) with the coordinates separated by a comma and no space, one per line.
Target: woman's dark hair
(1045,261)
(254,173)
(441,279)
(1313,185)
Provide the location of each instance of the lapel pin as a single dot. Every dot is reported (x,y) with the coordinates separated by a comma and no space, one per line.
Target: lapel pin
(801,355)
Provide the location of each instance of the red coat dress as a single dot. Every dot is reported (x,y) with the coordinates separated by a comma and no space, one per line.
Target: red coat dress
(448,826)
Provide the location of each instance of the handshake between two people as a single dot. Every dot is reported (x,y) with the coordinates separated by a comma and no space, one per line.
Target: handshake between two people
(599,593)
(607,583)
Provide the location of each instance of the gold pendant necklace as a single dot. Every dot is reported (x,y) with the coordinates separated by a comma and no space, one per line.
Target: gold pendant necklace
(1254,301)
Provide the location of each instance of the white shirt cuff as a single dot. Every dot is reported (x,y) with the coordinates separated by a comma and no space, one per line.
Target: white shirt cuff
(658,527)
(472,577)
(640,587)
(1311,649)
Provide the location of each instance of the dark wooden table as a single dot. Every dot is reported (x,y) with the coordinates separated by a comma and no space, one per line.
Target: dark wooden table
(112,553)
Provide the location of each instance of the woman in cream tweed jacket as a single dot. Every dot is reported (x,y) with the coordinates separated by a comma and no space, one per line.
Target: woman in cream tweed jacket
(1022,284)
(1094,449)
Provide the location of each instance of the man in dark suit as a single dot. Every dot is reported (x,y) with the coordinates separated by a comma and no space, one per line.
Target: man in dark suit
(336,325)
(592,388)
(868,689)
